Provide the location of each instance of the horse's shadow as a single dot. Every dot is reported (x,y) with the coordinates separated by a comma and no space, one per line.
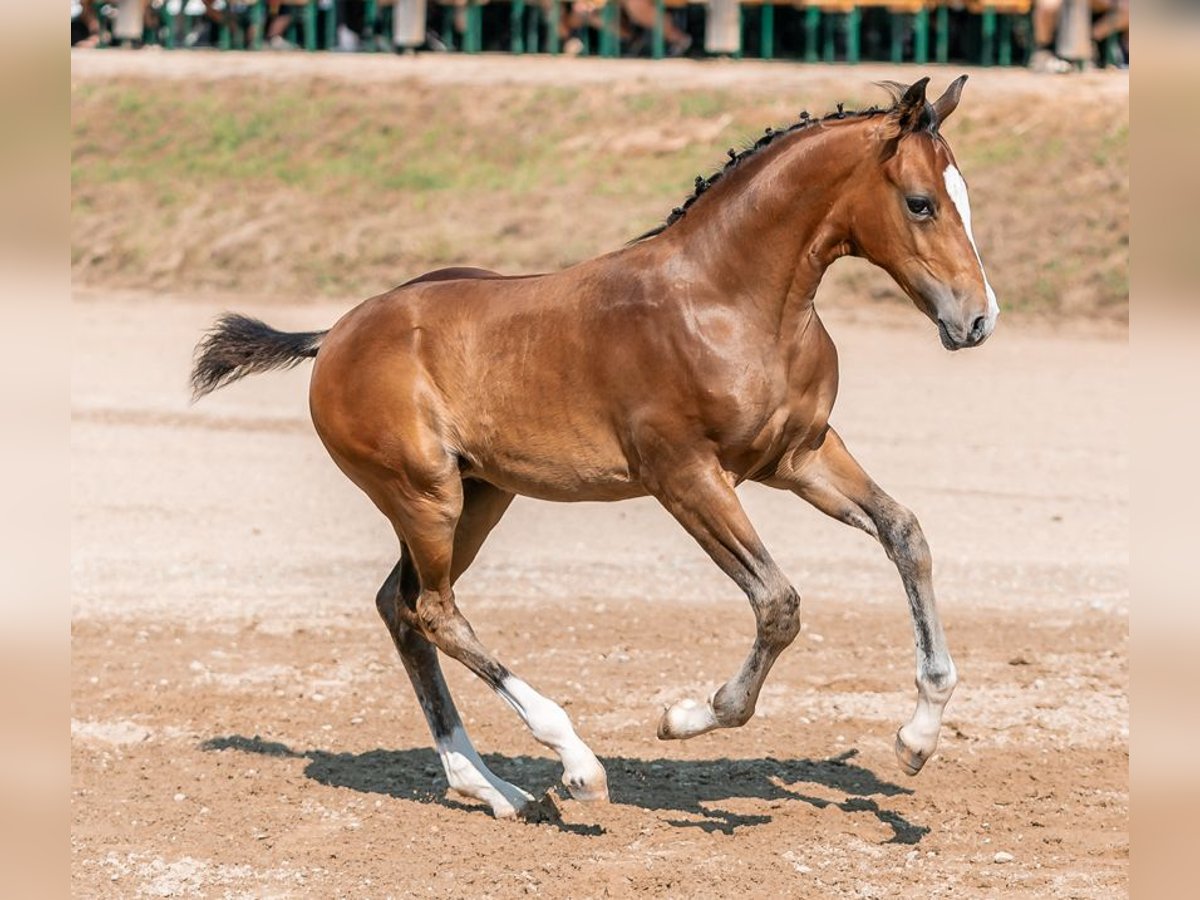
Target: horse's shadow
(681,786)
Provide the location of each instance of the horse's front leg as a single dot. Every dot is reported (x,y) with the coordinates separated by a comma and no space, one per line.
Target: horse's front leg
(831,480)
(702,499)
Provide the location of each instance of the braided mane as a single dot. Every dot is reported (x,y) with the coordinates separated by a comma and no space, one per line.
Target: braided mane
(770,135)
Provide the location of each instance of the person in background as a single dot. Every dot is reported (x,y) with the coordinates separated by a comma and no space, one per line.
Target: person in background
(279,18)
(640,13)
(1108,17)
(1113,20)
(212,16)
(351,19)
(126,29)
(85,24)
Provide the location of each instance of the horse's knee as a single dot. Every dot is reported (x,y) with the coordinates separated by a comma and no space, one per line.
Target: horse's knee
(905,541)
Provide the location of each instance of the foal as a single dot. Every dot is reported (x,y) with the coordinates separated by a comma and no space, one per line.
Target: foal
(678,367)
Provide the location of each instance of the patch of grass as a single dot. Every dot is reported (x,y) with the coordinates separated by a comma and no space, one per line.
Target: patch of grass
(536,101)
(1114,285)
(1112,147)
(130,104)
(641,104)
(703,104)
(1002,151)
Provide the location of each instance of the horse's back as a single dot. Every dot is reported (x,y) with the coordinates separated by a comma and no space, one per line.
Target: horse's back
(453,273)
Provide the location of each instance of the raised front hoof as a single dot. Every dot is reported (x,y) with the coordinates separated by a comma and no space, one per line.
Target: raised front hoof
(911,761)
(592,788)
(686,719)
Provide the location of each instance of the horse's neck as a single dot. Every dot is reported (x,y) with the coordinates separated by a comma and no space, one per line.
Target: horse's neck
(767,237)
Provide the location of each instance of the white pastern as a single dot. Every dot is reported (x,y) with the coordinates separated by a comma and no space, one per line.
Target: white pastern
(920,735)
(582,773)
(469,776)
(956,187)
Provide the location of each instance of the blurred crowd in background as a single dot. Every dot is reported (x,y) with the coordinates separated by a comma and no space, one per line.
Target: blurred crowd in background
(1046,35)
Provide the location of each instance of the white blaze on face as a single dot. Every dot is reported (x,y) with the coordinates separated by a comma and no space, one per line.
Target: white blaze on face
(957,189)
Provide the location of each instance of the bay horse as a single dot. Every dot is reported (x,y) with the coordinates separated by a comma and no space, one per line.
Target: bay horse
(686,362)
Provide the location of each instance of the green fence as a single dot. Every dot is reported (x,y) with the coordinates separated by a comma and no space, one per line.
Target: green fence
(972,31)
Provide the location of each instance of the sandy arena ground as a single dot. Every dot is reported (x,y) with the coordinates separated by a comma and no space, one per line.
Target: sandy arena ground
(241,727)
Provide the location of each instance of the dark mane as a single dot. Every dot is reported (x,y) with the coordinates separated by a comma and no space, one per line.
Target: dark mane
(770,135)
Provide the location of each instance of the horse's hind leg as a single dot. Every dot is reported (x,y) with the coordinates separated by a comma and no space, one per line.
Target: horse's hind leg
(428,528)
(704,502)
(833,481)
(466,772)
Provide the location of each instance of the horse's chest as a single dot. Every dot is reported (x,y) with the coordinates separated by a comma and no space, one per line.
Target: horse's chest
(811,394)
(792,413)
(803,415)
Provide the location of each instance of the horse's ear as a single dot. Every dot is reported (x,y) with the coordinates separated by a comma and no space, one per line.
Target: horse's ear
(910,110)
(944,105)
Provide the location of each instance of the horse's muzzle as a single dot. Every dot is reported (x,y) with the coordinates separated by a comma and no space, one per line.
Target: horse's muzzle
(960,337)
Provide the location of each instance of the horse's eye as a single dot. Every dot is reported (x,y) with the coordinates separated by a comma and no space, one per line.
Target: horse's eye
(920,207)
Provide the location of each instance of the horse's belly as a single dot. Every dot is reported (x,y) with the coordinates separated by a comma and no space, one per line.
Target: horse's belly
(555,480)
(554,464)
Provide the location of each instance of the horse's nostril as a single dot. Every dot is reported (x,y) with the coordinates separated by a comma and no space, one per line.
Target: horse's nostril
(977,326)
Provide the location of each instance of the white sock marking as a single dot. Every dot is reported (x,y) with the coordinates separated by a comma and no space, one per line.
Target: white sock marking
(545,718)
(956,187)
(551,726)
(468,775)
(921,732)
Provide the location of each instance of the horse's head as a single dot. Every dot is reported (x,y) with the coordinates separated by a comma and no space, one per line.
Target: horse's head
(914,220)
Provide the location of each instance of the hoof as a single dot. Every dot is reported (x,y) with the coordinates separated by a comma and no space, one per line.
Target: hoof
(911,761)
(591,787)
(686,719)
(507,804)
(508,811)
(594,792)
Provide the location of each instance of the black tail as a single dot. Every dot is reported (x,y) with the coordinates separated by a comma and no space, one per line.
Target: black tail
(238,345)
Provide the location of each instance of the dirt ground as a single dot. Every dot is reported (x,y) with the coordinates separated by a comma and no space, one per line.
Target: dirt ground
(240,726)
